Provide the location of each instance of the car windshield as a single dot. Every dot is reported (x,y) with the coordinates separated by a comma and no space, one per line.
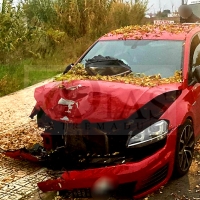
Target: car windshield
(148,57)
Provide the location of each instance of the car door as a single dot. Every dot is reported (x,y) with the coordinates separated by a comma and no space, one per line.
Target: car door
(195,86)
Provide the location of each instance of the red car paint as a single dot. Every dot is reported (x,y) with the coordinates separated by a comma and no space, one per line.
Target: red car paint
(92,101)
(21,154)
(96,101)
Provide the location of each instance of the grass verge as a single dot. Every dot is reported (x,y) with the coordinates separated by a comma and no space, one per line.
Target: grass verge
(14,77)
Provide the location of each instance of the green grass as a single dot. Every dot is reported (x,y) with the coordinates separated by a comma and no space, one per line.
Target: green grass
(19,76)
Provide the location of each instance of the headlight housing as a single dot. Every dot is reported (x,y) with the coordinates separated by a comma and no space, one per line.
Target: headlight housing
(152,134)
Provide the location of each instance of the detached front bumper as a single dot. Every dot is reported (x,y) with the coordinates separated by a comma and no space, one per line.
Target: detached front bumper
(146,175)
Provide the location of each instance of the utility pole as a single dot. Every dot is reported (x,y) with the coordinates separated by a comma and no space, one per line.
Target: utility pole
(172,4)
(160,6)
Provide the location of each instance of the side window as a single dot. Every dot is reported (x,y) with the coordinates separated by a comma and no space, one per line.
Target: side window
(194,56)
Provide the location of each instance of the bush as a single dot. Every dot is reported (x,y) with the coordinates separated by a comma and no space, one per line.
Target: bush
(46,33)
(39,28)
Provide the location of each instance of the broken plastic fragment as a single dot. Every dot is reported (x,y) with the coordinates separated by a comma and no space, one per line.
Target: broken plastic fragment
(74,87)
(69,103)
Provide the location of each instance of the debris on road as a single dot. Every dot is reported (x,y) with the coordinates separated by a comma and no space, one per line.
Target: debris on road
(22,137)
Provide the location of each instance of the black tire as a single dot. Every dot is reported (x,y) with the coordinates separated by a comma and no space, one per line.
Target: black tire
(184,149)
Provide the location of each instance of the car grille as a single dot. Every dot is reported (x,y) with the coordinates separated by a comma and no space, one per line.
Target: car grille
(154,179)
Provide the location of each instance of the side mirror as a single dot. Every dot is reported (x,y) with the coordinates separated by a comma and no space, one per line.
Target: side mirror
(68,68)
(196,74)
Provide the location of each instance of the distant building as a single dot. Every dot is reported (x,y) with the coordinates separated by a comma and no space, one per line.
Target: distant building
(174,14)
(166,12)
(150,15)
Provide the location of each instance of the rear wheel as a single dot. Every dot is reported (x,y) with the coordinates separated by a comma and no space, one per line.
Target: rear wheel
(184,149)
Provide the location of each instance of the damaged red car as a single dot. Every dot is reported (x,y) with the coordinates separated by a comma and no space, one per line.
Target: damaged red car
(126,115)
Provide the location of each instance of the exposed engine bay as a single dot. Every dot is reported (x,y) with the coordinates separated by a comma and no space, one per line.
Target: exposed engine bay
(92,145)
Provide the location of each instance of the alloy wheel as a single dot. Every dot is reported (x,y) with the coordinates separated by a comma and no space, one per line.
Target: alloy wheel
(186,147)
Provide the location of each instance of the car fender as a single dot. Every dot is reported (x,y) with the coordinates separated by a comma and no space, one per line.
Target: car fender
(178,112)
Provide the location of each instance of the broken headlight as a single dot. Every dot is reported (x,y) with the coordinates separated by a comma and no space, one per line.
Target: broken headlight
(152,134)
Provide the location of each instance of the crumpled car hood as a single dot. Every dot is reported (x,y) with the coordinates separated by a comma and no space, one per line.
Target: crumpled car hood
(95,101)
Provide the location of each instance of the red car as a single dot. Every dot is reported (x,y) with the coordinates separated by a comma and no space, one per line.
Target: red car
(126,135)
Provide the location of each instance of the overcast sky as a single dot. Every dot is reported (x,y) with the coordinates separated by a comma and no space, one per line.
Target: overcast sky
(164,4)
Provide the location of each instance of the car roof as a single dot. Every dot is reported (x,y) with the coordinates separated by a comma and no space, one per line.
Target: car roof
(153,32)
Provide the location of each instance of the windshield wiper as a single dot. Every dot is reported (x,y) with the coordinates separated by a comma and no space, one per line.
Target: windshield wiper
(106,66)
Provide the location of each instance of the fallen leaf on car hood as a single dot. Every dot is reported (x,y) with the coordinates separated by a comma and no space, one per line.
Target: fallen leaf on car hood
(78,73)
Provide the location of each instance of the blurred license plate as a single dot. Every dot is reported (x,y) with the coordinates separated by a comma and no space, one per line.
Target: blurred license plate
(79,193)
